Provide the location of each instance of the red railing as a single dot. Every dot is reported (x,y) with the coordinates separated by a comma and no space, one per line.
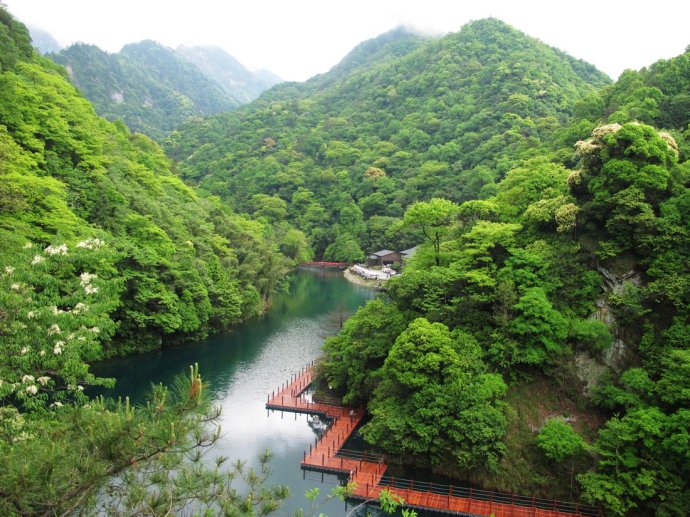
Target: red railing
(366,470)
(325,264)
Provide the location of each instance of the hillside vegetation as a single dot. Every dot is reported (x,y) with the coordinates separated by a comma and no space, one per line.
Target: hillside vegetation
(104,251)
(401,119)
(537,343)
(177,265)
(539,337)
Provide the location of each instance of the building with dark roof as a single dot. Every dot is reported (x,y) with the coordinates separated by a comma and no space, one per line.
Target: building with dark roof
(384,258)
(407,254)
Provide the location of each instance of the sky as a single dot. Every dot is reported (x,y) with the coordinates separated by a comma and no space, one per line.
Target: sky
(297,39)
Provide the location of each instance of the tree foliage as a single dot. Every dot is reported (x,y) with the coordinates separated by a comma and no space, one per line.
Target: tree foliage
(402,119)
(436,399)
(185,264)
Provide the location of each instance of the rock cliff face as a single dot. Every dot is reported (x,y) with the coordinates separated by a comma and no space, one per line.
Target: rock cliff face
(590,369)
(616,356)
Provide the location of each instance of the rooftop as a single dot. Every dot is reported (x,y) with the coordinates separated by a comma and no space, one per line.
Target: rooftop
(382,253)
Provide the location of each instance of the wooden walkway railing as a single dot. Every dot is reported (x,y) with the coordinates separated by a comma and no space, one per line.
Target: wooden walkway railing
(366,471)
(322,264)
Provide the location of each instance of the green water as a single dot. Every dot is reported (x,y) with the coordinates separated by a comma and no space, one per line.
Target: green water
(244,366)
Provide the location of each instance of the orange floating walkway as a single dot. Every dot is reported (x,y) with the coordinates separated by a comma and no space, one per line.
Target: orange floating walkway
(366,471)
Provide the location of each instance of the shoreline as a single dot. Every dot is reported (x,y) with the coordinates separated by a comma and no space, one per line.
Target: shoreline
(356,279)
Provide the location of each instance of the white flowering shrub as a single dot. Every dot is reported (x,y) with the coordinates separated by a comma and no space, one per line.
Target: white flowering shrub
(54,314)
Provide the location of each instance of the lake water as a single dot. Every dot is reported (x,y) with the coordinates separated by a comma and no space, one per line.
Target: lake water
(241,368)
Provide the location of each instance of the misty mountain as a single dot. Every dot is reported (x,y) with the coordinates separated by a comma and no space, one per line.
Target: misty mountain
(238,82)
(152,88)
(434,117)
(43,41)
(386,47)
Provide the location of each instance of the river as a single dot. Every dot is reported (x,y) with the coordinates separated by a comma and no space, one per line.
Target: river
(241,368)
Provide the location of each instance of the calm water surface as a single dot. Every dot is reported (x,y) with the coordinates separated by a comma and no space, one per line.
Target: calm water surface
(243,367)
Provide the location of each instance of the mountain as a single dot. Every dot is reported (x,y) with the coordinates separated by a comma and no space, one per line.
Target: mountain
(146,85)
(537,342)
(237,81)
(80,194)
(386,47)
(44,41)
(400,119)
(657,95)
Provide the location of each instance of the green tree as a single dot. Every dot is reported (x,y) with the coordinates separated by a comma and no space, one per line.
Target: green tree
(435,399)
(344,249)
(539,329)
(625,176)
(643,463)
(433,219)
(559,441)
(355,355)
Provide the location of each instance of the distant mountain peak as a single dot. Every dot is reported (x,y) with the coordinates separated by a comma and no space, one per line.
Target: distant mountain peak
(43,40)
(226,70)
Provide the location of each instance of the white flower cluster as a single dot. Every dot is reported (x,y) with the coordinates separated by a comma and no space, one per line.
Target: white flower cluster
(31,389)
(28,245)
(57,311)
(15,286)
(9,270)
(43,380)
(57,349)
(90,244)
(37,260)
(54,329)
(60,249)
(85,280)
(79,308)
(31,315)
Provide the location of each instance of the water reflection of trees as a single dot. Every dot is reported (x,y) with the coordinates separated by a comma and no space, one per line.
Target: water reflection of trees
(318,424)
(334,320)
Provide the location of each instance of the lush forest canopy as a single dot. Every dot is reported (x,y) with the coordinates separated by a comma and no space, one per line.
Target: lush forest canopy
(177,265)
(544,327)
(537,343)
(401,119)
(105,251)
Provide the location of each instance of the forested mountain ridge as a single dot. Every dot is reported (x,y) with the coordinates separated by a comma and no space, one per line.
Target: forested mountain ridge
(539,337)
(104,251)
(425,118)
(386,47)
(153,88)
(177,265)
(238,82)
(146,85)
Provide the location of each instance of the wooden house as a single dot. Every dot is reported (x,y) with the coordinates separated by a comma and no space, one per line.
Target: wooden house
(384,258)
(407,255)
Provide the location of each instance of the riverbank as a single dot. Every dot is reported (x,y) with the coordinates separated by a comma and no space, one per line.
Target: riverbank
(356,279)
(243,366)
